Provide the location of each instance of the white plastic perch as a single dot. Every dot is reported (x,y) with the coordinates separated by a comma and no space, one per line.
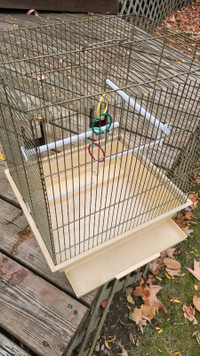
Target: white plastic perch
(65,141)
(124,153)
(139,108)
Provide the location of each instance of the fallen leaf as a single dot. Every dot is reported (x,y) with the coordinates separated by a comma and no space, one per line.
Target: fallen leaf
(124,352)
(196,271)
(148,311)
(136,315)
(104,303)
(139,319)
(132,339)
(197,334)
(196,302)
(188,215)
(153,300)
(159,278)
(172,264)
(189,313)
(130,299)
(175,300)
(106,344)
(33,11)
(154,266)
(166,274)
(195,200)
(188,231)
(173,273)
(150,280)
(160,331)
(142,291)
(169,252)
(112,338)
(148,294)
(196,287)
(180,220)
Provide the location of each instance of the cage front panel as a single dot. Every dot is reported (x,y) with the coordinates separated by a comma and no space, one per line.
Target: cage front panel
(16,133)
(124,176)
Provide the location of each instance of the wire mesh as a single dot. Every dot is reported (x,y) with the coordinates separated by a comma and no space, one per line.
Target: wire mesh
(140,153)
(154,10)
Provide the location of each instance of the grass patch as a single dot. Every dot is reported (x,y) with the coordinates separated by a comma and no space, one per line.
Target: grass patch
(177,335)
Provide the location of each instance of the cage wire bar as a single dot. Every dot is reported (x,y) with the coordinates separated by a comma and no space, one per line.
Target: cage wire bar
(135,167)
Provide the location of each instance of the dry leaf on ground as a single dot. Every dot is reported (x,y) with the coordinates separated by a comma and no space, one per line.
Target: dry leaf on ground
(137,315)
(197,334)
(180,220)
(189,215)
(188,231)
(132,339)
(189,313)
(148,294)
(196,271)
(196,302)
(33,11)
(173,273)
(150,280)
(139,318)
(148,311)
(153,300)
(195,199)
(124,352)
(185,20)
(104,303)
(171,263)
(130,299)
(173,267)
(155,265)
(169,252)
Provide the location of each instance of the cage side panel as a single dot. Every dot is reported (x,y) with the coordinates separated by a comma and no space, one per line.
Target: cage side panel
(15,133)
(59,72)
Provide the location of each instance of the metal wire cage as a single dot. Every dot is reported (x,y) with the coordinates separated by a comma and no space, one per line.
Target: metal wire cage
(99,122)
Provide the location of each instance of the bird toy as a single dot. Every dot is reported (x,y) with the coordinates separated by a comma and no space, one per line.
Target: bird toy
(98,131)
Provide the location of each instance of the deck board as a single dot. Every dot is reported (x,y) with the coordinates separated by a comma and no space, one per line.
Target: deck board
(5,190)
(9,348)
(48,318)
(18,240)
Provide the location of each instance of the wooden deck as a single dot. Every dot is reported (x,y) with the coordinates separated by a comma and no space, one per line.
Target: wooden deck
(38,308)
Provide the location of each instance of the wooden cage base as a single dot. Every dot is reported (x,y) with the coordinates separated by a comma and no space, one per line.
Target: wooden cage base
(123,257)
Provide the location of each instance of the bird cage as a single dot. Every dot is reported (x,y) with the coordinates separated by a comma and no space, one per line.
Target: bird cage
(99,125)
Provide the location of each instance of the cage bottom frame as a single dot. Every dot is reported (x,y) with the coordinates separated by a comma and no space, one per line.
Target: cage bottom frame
(126,192)
(129,250)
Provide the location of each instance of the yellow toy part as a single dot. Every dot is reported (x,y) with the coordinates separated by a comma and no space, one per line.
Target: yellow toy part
(99,105)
